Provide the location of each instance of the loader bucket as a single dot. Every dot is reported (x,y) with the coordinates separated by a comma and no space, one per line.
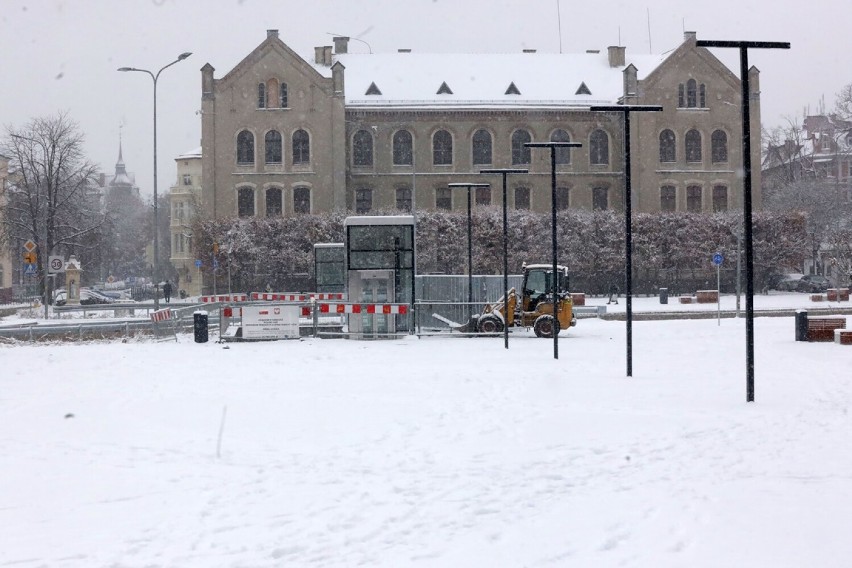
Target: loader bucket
(470,326)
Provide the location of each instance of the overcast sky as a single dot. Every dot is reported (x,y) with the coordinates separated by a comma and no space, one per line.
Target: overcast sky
(62,55)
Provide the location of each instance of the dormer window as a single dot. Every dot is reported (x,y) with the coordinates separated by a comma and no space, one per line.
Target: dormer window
(512,90)
(583,90)
(373,90)
(444,89)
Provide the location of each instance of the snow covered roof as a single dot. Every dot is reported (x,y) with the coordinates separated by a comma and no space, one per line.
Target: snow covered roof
(453,80)
(379,220)
(194,153)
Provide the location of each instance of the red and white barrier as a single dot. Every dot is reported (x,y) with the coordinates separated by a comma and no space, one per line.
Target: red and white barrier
(293,297)
(363,308)
(225,298)
(162,315)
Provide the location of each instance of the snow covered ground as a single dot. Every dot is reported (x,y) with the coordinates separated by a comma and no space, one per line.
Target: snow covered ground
(447,452)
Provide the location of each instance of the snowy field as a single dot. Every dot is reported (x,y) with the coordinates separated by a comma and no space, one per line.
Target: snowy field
(433,452)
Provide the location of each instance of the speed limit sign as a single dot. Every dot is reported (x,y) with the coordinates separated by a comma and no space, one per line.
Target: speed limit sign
(55,264)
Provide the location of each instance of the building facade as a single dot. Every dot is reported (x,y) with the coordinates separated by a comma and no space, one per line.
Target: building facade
(183,197)
(5,248)
(356,132)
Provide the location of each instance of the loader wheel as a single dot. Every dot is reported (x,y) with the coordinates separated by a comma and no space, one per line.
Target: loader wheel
(490,324)
(544,326)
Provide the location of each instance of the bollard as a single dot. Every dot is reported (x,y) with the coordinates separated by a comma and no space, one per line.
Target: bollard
(664,295)
(801,325)
(199,326)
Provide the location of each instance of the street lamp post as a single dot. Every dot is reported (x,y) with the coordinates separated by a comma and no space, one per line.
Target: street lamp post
(154,77)
(628,216)
(745,95)
(553,147)
(505,173)
(469,186)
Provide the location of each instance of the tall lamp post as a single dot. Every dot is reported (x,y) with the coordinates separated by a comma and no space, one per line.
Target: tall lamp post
(628,216)
(154,77)
(745,94)
(469,186)
(553,147)
(505,173)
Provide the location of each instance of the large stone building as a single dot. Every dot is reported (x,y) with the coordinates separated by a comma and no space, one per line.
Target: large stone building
(284,135)
(183,197)
(5,248)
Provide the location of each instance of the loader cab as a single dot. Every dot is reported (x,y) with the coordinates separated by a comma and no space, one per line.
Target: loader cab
(538,284)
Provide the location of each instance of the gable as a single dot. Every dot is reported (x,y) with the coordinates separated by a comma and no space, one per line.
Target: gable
(271,56)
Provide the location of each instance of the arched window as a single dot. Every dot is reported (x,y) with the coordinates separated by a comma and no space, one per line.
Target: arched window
(261,95)
(599,148)
(273,202)
(691,94)
(693,146)
(521,155)
(403,198)
(668,145)
(702,96)
(522,198)
(245,148)
(273,147)
(563,155)
(600,198)
(483,196)
(282,95)
(719,146)
(563,195)
(302,200)
(301,147)
(442,148)
(668,198)
(245,202)
(681,97)
(720,198)
(362,149)
(403,148)
(363,200)
(481,147)
(693,198)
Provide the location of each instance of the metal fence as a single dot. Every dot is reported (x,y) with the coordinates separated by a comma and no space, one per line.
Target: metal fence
(447,296)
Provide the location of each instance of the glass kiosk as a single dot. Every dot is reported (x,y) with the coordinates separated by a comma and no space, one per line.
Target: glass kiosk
(330,267)
(380,270)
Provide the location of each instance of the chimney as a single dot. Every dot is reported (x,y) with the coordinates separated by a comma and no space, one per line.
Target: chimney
(529,51)
(615,54)
(271,34)
(690,36)
(593,51)
(318,55)
(326,55)
(341,44)
(404,50)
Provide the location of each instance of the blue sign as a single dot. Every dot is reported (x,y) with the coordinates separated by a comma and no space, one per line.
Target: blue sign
(215,264)
(30,269)
(718,258)
(198,263)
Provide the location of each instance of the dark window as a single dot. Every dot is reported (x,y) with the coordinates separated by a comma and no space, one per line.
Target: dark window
(273,202)
(363,200)
(362,148)
(245,148)
(483,196)
(600,198)
(563,155)
(245,202)
(443,198)
(273,147)
(521,155)
(481,148)
(444,89)
(702,96)
(720,198)
(693,198)
(373,90)
(261,95)
(668,199)
(282,95)
(693,146)
(599,147)
(403,198)
(719,146)
(583,90)
(512,90)
(562,198)
(681,98)
(691,94)
(302,200)
(442,148)
(668,145)
(301,147)
(522,198)
(403,148)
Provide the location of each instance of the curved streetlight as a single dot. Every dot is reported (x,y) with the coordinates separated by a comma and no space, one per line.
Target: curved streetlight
(154,77)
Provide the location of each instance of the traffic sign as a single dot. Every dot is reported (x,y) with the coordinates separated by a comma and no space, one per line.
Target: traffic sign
(718,258)
(30,257)
(29,246)
(30,269)
(55,265)
(198,263)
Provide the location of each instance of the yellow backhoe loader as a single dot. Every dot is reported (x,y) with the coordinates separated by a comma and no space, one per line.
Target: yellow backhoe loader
(533,307)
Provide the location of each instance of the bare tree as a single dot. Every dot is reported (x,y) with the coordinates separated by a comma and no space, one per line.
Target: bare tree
(51,196)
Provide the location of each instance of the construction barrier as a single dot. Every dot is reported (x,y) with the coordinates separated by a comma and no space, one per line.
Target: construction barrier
(294,297)
(225,298)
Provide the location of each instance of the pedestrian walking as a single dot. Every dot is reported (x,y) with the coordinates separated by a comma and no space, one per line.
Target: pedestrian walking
(167,291)
(613,294)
